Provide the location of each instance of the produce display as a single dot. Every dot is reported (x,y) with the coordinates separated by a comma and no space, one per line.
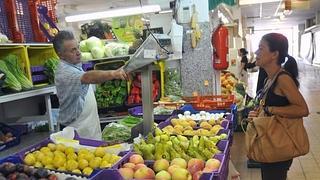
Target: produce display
(50,66)
(13,171)
(136,91)
(111,93)
(95,48)
(178,168)
(6,137)
(64,158)
(164,146)
(16,79)
(116,132)
(130,121)
(172,83)
(228,82)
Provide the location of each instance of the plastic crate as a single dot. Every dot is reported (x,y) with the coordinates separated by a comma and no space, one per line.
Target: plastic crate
(137,112)
(22,54)
(39,54)
(5,129)
(82,141)
(207,103)
(37,69)
(4,27)
(51,6)
(39,78)
(219,174)
(24,20)
(87,66)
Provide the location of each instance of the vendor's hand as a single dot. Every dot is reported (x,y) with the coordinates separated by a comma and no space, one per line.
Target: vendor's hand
(120,74)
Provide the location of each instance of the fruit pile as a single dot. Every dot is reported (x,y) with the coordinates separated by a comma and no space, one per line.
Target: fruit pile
(228,82)
(19,171)
(190,127)
(177,169)
(7,137)
(60,157)
(164,146)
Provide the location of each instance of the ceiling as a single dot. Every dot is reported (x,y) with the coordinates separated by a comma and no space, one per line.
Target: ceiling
(259,15)
(266,16)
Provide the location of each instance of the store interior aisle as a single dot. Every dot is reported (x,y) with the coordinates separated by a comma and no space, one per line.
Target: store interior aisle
(303,168)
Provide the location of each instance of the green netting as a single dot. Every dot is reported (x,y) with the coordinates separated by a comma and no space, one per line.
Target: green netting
(214,3)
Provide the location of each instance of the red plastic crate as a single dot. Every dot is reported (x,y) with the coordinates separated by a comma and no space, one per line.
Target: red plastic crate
(51,6)
(207,103)
(24,20)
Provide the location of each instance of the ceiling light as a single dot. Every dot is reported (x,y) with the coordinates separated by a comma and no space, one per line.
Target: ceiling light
(165,11)
(114,13)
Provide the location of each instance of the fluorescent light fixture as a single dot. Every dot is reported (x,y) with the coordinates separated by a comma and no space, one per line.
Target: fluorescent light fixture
(114,13)
(165,11)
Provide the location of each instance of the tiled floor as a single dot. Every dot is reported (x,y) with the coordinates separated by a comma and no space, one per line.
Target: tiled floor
(303,168)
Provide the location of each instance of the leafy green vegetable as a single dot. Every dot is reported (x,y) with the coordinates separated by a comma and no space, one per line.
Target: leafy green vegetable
(12,63)
(116,132)
(172,83)
(50,68)
(10,81)
(111,93)
(130,121)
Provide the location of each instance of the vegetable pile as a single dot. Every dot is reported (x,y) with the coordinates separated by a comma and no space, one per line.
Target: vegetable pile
(15,78)
(130,121)
(116,132)
(50,66)
(172,83)
(111,93)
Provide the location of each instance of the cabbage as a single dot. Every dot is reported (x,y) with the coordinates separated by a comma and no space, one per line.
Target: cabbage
(116,49)
(85,56)
(83,46)
(108,51)
(3,38)
(93,42)
(97,52)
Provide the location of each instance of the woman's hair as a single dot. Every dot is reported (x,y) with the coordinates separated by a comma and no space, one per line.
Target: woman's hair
(243,51)
(278,42)
(60,38)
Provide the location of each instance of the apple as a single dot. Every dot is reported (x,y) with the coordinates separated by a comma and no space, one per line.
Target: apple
(180,162)
(144,173)
(181,174)
(195,165)
(213,164)
(126,173)
(136,159)
(197,175)
(138,166)
(161,164)
(129,165)
(207,170)
(171,168)
(163,175)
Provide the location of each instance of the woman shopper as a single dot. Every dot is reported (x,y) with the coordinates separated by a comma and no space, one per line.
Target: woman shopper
(283,98)
(243,67)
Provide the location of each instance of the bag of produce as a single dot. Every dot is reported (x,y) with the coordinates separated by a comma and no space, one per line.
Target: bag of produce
(116,132)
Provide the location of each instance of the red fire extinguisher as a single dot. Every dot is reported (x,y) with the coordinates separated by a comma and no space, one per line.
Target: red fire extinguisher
(219,41)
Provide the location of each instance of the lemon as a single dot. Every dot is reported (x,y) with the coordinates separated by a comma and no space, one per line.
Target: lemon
(62,168)
(69,150)
(59,161)
(30,159)
(95,163)
(87,171)
(106,157)
(71,165)
(47,160)
(114,158)
(45,149)
(100,152)
(83,163)
(81,156)
(89,156)
(105,164)
(60,147)
(39,156)
(49,166)
(83,150)
(77,171)
(49,154)
(51,146)
(38,164)
(72,156)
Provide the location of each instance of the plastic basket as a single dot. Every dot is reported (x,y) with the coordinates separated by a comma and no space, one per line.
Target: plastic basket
(138,112)
(208,103)
(21,53)
(39,54)
(5,129)
(4,28)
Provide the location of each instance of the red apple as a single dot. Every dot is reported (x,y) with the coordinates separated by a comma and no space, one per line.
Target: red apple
(171,168)
(138,166)
(161,164)
(197,175)
(136,159)
(144,173)
(163,175)
(129,165)
(195,165)
(126,173)
(180,162)
(213,164)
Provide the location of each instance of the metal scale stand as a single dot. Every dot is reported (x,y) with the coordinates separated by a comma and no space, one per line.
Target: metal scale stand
(142,61)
